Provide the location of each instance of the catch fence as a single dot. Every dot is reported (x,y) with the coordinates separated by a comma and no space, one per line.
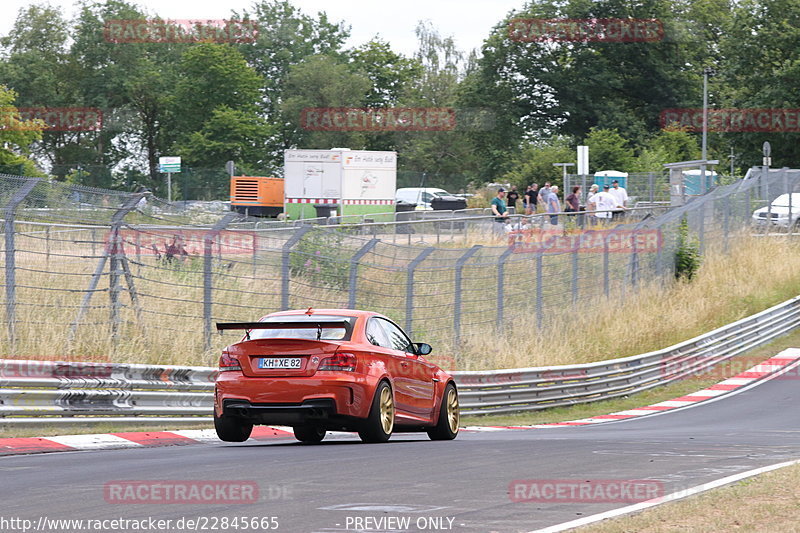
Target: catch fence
(105,275)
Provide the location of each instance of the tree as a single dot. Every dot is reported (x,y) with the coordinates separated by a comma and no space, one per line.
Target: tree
(323,82)
(38,68)
(215,105)
(534,162)
(16,135)
(608,150)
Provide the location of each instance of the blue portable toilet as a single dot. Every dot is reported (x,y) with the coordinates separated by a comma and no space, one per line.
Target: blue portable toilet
(692,182)
(605,177)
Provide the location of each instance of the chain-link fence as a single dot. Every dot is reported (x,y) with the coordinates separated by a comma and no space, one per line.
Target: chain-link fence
(108,275)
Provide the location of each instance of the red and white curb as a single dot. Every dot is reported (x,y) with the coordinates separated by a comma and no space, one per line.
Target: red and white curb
(148,439)
(750,376)
(134,439)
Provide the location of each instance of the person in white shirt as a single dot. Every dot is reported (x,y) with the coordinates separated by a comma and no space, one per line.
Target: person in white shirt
(621,197)
(591,206)
(605,202)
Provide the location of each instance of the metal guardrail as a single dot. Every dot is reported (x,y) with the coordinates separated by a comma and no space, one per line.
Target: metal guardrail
(66,393)
(529,389)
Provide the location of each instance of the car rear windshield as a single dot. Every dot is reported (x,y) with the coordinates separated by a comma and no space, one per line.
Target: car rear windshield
(342,333)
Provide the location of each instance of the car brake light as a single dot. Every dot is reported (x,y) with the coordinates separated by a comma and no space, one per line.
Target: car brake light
(227,362)
(345,362)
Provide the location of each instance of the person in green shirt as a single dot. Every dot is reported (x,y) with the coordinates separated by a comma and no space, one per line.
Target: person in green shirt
(499,208)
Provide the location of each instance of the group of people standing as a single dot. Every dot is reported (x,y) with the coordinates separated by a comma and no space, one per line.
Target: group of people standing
(610,202)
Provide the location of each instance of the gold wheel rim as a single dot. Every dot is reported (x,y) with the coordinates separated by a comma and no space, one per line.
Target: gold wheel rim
(387,410)
(453,412)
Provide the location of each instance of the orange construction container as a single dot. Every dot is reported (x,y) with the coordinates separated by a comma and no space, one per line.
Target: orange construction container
(257,195)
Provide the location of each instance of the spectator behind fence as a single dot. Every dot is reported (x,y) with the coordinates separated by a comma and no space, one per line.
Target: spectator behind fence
(553,204)
(532,196)
(621,197)
(573,200)
(605,204)
(511,199)
(499,209)
(591,205)
(544,192)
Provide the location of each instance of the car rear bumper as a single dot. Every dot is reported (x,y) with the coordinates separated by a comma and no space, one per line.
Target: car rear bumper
(293,401)
(308,412)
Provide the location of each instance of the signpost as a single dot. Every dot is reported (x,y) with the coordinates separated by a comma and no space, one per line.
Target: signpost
(169,165)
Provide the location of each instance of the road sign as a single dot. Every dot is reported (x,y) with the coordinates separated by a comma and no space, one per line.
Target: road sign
(169,164)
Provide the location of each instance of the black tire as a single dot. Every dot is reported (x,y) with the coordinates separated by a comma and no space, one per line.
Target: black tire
(231,429)
(449,416)
(380,423)
(309,434)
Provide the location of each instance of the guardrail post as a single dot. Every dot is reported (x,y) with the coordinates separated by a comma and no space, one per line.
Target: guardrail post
(412,266)
(458,278)
(539,290)
(10,256)
(286,252)
(208,257)
(354,261)
(501,283)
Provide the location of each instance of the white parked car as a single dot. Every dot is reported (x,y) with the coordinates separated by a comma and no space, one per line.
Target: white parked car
(421,196)
(779,213)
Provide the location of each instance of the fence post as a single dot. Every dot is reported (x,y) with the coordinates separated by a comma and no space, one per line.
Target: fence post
(575,273)
(539,290)
(354,261)
(726,222)
(410,287)
(286,266)
(116,222)
(651,179)
(501,282)
(11,282)
(634,261)
(701,230)
(113,282)
(606,281)
(208,257)
(458,278)
(47,246)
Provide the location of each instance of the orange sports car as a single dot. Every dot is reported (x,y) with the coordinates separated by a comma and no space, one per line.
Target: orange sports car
(331,369)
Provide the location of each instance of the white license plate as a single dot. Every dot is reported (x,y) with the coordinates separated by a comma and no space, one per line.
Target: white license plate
(280,362)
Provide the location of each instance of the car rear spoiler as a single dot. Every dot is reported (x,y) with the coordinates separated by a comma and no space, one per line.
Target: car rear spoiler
(297,324)
(287,324)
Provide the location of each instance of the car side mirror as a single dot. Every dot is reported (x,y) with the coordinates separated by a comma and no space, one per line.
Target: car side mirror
(423,348)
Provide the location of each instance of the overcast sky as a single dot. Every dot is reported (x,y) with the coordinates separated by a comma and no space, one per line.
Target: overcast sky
(467,21)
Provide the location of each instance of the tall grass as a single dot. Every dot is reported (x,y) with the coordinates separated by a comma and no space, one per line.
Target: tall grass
(756,274)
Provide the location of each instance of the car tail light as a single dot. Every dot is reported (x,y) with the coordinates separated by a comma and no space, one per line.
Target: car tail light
(345,362)
(227,362)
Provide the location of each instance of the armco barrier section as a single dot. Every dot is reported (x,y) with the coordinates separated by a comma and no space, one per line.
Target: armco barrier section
(65,393)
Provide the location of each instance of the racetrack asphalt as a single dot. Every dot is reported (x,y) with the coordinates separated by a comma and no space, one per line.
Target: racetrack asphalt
(329,487)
